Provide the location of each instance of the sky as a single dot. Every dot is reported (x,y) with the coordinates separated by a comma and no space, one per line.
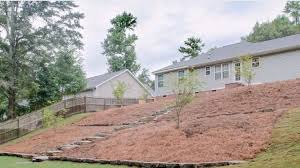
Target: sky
(163,25)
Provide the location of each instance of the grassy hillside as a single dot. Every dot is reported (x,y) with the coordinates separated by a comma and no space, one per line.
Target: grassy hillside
(14,162)
(284,150)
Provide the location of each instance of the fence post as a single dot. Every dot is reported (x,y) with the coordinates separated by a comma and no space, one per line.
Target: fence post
(85,104)
(18,130)
(104,104)
(65,104)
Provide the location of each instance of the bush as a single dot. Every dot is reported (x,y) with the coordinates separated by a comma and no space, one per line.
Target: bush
(50,118)
(184,92)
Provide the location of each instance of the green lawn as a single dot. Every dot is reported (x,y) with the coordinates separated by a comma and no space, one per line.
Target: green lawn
(63,122)
(284,151)
(14,162)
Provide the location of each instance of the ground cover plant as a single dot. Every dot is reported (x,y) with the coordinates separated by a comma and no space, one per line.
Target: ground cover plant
(284,148)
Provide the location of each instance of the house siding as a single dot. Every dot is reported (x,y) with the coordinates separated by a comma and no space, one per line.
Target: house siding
(275,67)
(134,89)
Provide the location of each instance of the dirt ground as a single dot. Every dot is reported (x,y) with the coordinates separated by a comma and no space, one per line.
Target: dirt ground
(233,124)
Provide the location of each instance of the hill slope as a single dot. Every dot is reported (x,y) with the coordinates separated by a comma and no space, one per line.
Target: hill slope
(284,150)
(233,124)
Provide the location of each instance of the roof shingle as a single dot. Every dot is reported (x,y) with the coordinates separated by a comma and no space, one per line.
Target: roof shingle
(238,49)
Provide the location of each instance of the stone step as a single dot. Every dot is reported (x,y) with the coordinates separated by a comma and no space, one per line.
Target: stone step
(52,152)
(68,146)
(39,158)
(101,135)
(93,138)
(82,142)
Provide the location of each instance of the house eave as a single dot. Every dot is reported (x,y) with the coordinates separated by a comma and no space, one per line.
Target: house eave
(264,53)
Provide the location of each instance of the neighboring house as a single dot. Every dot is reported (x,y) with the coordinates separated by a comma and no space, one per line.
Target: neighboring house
(273,60)
(102,86)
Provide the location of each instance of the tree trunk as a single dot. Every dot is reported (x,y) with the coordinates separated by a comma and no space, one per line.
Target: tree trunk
(11,25)
(11,104)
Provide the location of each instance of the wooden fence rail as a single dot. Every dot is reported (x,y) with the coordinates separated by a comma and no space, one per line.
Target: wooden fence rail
(22,125)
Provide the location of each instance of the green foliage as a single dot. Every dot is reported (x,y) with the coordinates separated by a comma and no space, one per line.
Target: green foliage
(55,79)
(292,8)
(144,77)
(279,27)
(193,47)
(119,45)
(184,91)
(119,90)
(145,95)
(26,44)
(50,118)
(247,71)
(69,74)
(283,152)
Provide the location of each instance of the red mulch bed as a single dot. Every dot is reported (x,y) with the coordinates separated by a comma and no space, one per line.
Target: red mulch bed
(233,124)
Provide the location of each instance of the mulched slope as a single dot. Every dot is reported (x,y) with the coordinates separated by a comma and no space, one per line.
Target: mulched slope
(230,124)
(227,125)
(53,138)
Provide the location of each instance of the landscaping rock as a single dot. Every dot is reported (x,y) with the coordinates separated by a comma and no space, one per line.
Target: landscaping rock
(82,142)
(53,152)
(93,138)
(40,158)
(68,146)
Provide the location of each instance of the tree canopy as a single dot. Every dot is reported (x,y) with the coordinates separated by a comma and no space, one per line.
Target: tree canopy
(119,45)
(32,34)
(144,77)
(281,26)
(193,47)
(292,8)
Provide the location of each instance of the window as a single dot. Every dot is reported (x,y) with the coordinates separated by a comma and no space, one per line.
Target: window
(225,69)
(237,67)
(207,70)
(160,80)
(218,74)
(180,74)
(255,62)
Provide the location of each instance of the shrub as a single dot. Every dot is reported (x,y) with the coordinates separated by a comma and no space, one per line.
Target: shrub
(246,68)
(119,91)
(184,92)
(50,118)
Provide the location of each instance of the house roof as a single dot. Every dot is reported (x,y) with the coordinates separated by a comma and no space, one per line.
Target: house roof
(95,81)
(233,51)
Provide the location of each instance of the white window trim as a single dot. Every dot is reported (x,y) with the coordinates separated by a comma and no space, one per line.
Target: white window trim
(228,69)
(207,71)
(218,71)
(158,81)
(256,62)
(236,71)
(222,77)
(179,73)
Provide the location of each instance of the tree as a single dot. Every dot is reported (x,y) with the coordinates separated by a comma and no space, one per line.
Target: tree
(279,27)
(69,74)
(292,8)
(119,91)
(193,47)
(247,71)
(44,90)
(53,80)
(119,45)
(184,91)
(144,77)
(23,42)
